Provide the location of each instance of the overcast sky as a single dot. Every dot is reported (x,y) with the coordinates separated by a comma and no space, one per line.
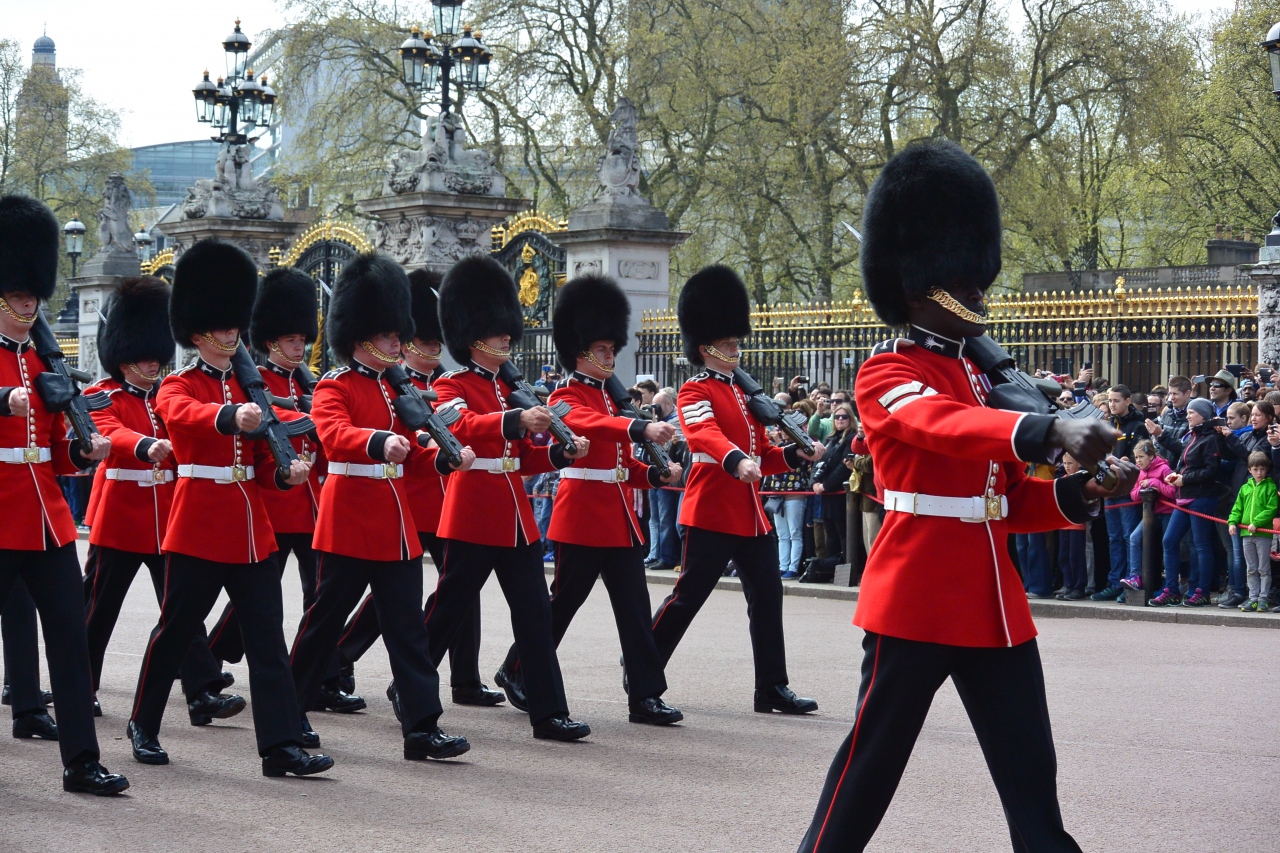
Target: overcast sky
(144,57)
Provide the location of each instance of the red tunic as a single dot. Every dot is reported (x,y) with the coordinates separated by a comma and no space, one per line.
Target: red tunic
(293,511)
(596,513)
(33,503)
(362,516)
(945,580)
(426,493)
(716,423)
(130,515)
(222,522)
(480,506)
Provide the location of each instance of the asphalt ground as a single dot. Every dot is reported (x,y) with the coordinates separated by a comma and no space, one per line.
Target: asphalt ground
(1166,735)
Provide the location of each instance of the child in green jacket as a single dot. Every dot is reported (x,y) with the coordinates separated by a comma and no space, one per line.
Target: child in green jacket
(1255,512)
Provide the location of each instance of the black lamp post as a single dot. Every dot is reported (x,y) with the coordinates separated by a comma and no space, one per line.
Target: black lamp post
(236,99)
(73,232)
(429,60)
(1270,252)
(142,243)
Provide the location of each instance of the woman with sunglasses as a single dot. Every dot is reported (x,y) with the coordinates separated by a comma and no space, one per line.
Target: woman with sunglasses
(831,480)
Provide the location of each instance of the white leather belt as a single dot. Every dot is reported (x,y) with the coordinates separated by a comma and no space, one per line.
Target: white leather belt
(23,455)
(381,471)
(599,475)
(227,474)
(975,509)
(142,476)
(711,460)
(505,465)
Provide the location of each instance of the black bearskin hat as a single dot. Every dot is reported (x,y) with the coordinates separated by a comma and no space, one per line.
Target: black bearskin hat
(214,283)
(713,305)
(371,297)
(589,308)
(286,305)
(932,218)
(135,325)
(424,287)
(29,237)
(478,299)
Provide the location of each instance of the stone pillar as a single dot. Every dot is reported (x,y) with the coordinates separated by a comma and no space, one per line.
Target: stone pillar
(256,236)
(1266,277)
(434,229)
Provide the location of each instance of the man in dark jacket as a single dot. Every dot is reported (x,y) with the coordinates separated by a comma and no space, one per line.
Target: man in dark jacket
(1172,425)
(1122,520)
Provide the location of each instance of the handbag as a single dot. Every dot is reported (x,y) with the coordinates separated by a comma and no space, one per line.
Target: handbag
(773,505)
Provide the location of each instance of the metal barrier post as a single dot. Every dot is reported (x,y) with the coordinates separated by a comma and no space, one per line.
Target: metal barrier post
(1152,551)
(849,573)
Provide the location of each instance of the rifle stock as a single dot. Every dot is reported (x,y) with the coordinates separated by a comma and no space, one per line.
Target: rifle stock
(272,430)
(769,412)
(523,396)
(658,456)
(416,413)
(58,389)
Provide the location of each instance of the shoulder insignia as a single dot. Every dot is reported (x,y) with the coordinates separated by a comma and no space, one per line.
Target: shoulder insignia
(891,345)
(335,373)
(449,374)
(698,377)
(183,369)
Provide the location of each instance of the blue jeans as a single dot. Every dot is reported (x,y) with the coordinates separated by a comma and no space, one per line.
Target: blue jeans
(1202,534)
(1135,543)
(1033,557)
(664,540)
(1121,522)
(1071,559)
(1236,577)
(790,527)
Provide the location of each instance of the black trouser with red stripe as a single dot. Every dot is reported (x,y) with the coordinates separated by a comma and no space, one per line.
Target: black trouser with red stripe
(52,577)
(362,629)
(396,588)
(18,629)
(224,639)
(108,578)
(577,567)
(706,553)
(191,587)
(465,568)
(1003,692)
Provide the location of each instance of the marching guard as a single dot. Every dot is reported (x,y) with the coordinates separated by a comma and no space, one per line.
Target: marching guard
(38,537)
(365,534)
(219,536)
(953,471)
(487,522)
(421,357)
(729,453)
(593,523)
(133,488)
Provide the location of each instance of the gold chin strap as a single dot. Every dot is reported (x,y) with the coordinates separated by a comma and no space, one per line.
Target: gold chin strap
(946,300)
(214,342)
(275,348)
(150,377)
(488,350)
(715,353)
(26,321)
(408,346)
(377,353)
(591,357)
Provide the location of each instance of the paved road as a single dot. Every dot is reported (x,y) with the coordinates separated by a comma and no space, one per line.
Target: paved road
(1166,741)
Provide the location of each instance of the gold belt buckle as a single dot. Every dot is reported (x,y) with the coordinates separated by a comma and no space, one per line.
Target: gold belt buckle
(157,474)
(239,473)
(30,454)
(508,464)
(620,474)
(993,507)
(305,456)
(389,471)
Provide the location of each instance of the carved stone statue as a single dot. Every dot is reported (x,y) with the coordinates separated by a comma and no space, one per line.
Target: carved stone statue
(619,168)
(115,236)
(232,192)
(443,164)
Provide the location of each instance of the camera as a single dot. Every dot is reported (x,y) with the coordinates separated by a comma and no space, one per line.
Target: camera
(651,411)
(1265,375)
(1217,422)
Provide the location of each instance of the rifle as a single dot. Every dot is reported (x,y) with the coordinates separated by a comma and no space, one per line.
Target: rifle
(523,396)
(272,430)
(307,380)
(658,457)
(417,414)
(769,412)
(58,389)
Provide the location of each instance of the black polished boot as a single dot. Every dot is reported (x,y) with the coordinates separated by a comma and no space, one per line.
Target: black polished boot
(207,707)
(393,696)
(560,728)
(478,694)
(434,744)
(146,747)
(513,685)
(226,681)
(280,760)
(330,698)
(37,724)
(654,712)
(780,698)
(310,737)
(97,709)
(90,777)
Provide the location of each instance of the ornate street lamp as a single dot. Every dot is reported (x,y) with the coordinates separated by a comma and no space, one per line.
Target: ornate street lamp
(205,93)
(447,14)
(236,99)
(268,98)
(428,60)
(236,47)
(143,243)
(1270,252)
(73,233)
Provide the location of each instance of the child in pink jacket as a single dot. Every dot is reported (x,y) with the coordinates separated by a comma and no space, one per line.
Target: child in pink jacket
(1152,469)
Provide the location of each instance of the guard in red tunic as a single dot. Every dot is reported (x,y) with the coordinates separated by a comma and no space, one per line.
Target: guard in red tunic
(729,454)
(366,535)
(282,325)
(219,536)
(38,536)
(133,489)
(426,498)
(953,476)
(487,522)
(593,524)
